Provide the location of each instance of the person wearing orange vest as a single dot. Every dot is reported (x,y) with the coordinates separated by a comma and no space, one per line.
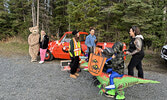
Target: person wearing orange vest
(75,51)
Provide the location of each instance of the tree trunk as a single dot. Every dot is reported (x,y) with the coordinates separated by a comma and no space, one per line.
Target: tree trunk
(57,34)
(33,14)
(164,19)
(38,13)
(42,26)
(164,13)
(69,26)
(35,17)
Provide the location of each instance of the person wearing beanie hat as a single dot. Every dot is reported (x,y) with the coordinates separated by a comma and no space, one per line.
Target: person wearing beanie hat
(75,32)
(75,51)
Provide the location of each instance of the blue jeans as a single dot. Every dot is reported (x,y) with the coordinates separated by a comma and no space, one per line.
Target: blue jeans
(112,76)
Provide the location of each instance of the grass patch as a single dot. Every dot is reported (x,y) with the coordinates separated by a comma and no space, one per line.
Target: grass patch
(18,46)
(14,46)
(150,59)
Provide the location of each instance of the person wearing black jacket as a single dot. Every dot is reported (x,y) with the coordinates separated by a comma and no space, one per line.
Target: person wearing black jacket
(43,41)
(137,52)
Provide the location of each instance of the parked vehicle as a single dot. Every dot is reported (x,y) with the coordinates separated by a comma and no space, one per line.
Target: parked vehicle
(55,48)
(164,52)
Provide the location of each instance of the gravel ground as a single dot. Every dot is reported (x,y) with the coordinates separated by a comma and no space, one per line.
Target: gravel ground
(22,80)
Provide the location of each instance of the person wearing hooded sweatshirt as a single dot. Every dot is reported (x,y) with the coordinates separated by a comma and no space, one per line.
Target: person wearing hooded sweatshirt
(137,52)
(75,51)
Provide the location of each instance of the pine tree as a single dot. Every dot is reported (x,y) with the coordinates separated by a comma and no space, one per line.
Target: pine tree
(59,22)
(20,15)
(5,23)
(83,14)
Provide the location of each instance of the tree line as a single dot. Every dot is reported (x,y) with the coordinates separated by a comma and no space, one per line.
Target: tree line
(111,18)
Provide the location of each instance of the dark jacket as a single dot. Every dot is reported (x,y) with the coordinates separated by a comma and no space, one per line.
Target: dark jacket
(44,43)
(136,48)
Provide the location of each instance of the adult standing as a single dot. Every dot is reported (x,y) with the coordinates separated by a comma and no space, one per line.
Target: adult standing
(136,50)
(43,40)
(91,41)
(75,51)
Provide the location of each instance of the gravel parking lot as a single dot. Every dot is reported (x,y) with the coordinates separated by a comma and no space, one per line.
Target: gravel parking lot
(22,80)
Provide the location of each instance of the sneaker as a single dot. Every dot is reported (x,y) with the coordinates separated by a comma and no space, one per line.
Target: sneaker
(73,76)
(109,95)
(110,87)
(41,62)
(76,74)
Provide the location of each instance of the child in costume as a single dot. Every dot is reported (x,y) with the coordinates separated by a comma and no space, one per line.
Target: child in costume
(115,61)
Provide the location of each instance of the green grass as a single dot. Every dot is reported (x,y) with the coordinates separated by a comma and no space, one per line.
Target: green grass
(18,46)
(150,59)
(13,47)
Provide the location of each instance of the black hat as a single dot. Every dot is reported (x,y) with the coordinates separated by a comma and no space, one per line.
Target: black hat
(74,32)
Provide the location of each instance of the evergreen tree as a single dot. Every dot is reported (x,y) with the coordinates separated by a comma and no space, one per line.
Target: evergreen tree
(20,15)
(114,28)
(5,24)
(111,18)
(83,14)
(59,22)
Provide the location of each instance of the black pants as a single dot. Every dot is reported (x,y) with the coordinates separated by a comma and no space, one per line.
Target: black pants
(136,62)
(74,64)
(91,50)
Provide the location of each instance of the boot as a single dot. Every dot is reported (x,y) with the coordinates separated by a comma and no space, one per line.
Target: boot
(76,74)
(73,76)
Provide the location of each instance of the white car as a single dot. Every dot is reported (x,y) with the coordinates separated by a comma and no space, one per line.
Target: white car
(164,52)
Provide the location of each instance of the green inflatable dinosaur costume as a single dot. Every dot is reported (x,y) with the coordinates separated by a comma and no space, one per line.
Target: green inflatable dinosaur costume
(120,83)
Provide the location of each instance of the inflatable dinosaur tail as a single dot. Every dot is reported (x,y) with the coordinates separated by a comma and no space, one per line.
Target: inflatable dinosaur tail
(127,81)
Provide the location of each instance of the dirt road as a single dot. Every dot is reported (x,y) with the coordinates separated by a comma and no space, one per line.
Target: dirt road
(22,80)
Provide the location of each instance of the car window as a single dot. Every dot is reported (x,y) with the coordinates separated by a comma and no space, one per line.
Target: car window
(68,37)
